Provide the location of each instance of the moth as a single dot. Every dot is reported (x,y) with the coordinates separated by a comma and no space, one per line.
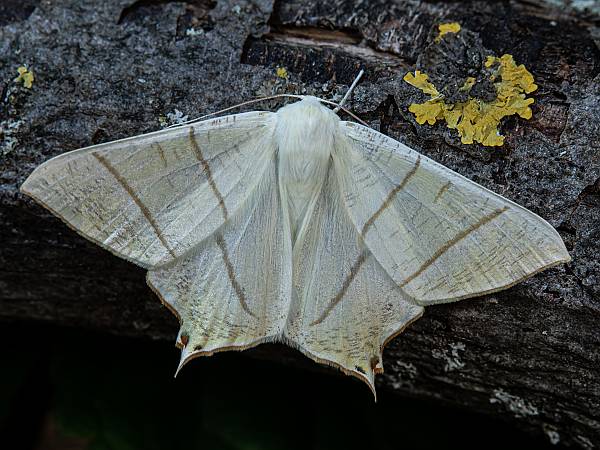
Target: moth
(294,226)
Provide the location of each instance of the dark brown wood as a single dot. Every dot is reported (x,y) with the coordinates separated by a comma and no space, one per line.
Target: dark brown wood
(107,70)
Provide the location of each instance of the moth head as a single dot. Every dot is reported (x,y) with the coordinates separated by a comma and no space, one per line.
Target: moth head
(306,124)
(308,108)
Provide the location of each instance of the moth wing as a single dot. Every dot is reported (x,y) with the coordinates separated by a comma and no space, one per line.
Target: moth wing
(232,291)
(152,198)
(344,306)
(440,236)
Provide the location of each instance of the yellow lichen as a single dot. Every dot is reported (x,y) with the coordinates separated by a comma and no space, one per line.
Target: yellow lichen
(427,112)
(281,72)
(445,28)
(419,80)
(469,82)
(25,76)
(477,120)
(518,76)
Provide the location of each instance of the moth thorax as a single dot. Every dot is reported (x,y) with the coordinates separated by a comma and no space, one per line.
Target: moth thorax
(305,136)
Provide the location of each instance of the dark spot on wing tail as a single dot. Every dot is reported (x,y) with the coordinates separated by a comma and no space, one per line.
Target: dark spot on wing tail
(185,338)
(375,367)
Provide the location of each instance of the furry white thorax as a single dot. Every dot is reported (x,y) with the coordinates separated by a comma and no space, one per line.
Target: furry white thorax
(306,132)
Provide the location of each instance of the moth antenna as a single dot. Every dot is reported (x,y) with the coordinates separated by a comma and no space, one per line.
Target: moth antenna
(249,102)
(338,107)
(352,86)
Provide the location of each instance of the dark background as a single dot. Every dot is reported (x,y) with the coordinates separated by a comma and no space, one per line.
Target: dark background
(68,389)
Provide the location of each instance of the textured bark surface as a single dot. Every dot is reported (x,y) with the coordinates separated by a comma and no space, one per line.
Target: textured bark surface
(107,70)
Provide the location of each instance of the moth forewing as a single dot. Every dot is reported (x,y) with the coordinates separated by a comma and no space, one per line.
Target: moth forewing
(440,236)
(153,197)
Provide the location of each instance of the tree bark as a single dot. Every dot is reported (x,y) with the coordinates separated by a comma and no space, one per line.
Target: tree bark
(107,70)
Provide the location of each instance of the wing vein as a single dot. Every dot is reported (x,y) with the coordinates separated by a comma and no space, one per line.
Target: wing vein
(143,208)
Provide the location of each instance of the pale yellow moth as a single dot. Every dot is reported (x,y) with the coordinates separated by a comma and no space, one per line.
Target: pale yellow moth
(294,226)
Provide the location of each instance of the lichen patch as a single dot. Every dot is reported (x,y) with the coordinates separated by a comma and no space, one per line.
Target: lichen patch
(516,405)
(479,97)
(25,76)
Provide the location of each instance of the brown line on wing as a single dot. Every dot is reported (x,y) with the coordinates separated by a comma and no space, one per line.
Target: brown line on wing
(161,153)
(231,274)
(208,173)
(145,211)
(340,295)
(369,223)
(459,237)
(443,189)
